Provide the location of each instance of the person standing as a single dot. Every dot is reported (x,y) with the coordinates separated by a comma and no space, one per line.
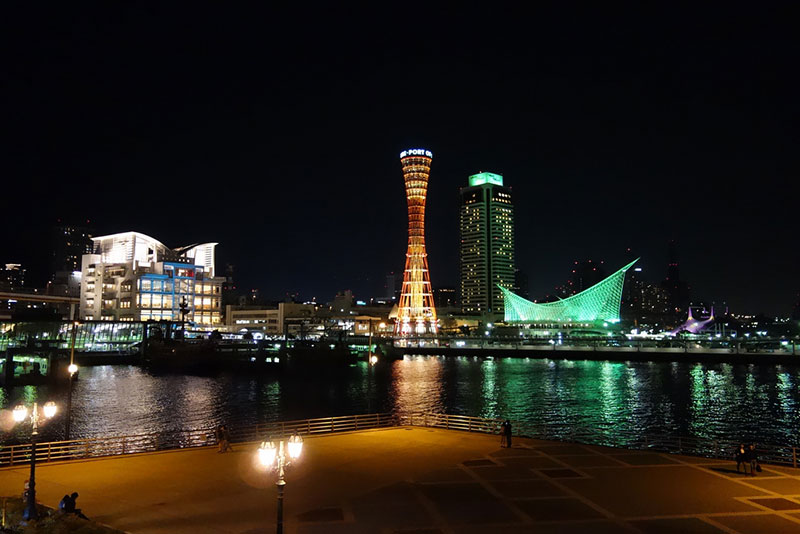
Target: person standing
(752,457)
(740,454)
(507,433)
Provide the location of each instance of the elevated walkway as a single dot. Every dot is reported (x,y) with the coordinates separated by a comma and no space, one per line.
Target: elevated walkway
(422,479)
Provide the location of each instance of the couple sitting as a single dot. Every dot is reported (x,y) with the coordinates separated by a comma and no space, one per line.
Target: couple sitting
(67,505)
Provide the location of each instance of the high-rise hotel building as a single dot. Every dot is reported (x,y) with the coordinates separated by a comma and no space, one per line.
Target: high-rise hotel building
(133,277)
(487,245)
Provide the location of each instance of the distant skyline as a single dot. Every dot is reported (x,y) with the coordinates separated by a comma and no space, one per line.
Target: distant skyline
(278,133)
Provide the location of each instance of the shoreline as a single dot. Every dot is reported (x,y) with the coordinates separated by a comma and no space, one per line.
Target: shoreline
(614,355)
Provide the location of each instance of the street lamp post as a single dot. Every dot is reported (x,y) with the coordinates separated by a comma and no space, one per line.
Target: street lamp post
(279,456)
(72,369)
(20,415)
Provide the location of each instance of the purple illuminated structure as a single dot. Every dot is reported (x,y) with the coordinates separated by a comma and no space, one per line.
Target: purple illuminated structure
(694,326)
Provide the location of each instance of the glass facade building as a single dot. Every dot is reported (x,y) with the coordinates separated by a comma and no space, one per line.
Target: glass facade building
(133,277)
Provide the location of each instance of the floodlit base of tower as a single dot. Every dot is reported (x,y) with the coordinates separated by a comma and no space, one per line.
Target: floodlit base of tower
(416,328)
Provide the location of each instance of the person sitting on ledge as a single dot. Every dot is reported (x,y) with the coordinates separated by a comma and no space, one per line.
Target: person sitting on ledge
(68,503)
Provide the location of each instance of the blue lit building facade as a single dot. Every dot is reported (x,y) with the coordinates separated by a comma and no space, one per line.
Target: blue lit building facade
(133,277)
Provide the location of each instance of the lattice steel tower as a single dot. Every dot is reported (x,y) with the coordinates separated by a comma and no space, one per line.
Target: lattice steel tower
(416,313)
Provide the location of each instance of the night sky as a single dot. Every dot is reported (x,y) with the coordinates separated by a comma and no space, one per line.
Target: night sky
(277,134)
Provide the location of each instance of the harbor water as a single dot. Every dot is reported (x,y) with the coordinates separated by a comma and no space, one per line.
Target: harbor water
(612,400)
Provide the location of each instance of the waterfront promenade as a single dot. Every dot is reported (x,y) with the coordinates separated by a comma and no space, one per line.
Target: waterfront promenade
(412,479)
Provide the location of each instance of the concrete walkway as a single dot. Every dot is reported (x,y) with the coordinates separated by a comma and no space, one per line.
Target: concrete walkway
(427,481)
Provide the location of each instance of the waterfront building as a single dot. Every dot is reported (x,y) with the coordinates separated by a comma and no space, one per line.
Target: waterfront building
(595,306)
(487,245)
(416,312)
(133,277)
(284,318)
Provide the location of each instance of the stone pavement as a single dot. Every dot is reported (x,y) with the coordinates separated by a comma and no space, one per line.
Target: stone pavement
(425,481)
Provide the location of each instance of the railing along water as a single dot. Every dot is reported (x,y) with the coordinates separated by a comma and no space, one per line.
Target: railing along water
(671,444)
(610,437)
(180,439)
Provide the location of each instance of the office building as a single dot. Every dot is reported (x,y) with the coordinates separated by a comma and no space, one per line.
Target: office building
(69,244)
(584,275)
(445,297)
(133,277)
(282,319)
(678,290)
(487,245)
(12,277)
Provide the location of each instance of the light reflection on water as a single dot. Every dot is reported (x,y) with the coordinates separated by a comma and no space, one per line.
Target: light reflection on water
(614,400)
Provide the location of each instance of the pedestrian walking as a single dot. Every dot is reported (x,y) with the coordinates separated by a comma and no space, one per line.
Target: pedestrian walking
(740,454)
(220,438)
(226,439)
(752,457)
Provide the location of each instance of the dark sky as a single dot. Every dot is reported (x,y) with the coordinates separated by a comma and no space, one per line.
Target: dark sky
(277,134)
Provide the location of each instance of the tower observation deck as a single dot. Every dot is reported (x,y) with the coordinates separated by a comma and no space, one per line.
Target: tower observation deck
(416,313)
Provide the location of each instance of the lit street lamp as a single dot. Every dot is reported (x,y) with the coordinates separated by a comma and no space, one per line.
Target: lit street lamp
(20,415)
(272,455)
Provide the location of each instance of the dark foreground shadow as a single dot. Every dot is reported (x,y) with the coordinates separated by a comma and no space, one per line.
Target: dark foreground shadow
(726,470)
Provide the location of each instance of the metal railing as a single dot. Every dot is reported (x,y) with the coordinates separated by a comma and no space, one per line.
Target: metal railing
(609,437)
(180,439)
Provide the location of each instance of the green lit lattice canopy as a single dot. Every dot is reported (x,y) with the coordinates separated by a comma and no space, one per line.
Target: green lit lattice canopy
(598,303)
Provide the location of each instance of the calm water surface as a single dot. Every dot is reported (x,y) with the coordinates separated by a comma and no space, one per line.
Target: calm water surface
(614,400)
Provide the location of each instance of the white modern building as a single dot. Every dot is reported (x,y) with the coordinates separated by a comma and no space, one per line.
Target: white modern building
(133,277)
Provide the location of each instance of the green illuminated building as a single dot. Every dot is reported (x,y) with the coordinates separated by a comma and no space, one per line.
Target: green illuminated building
(599,303)
(487,245)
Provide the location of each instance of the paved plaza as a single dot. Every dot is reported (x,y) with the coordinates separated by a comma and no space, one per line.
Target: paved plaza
(425,481)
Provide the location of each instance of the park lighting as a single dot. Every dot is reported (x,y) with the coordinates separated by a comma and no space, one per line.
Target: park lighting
(21,415)
(72,369)
(267,453)
(295,446)
(373,360)
(279,456)
(50,409)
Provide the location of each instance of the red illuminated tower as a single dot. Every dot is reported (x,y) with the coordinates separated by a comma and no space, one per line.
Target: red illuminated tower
(416,313)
